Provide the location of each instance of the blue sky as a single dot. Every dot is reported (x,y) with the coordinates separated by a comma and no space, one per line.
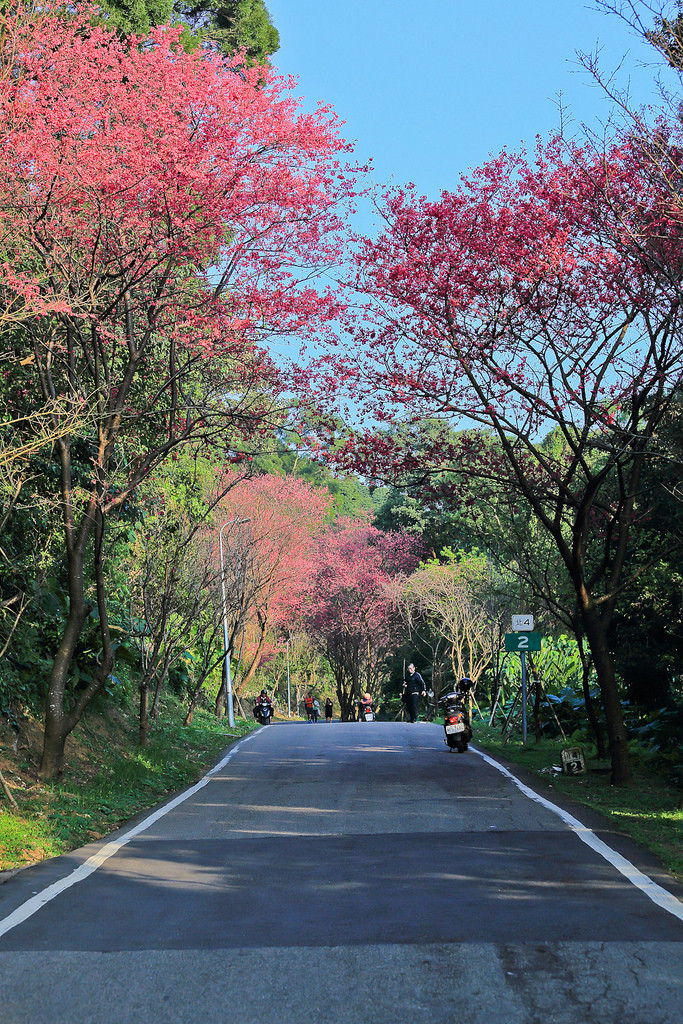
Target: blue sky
(429,88)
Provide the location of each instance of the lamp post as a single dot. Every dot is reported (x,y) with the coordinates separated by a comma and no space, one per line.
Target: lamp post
(226,638)
(289,696)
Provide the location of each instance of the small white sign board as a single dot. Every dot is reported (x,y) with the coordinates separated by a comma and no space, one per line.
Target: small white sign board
(522,623)
(573,761)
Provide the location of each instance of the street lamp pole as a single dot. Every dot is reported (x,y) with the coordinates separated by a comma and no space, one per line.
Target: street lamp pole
(226,637)
(289,696)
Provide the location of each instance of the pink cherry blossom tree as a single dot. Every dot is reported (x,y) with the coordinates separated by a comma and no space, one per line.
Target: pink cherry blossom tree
(161,214)
(540,305)
(350,611)
(276,524)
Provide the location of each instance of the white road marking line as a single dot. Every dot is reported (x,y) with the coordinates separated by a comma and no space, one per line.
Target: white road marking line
(31,906)
(662,897)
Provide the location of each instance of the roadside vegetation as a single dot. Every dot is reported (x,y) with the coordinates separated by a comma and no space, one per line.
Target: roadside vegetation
(107,781)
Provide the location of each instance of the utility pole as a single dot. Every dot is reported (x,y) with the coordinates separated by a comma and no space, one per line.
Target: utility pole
(226,636)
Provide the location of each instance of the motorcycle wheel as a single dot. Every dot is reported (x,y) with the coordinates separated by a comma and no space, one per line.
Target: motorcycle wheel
(462,746)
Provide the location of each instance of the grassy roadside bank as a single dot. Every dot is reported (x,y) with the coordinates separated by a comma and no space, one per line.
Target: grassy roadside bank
(108,779)
(651,812)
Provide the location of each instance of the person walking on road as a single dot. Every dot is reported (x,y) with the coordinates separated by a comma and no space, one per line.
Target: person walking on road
(315,712)
(308,705)
(414,687)
(329,708)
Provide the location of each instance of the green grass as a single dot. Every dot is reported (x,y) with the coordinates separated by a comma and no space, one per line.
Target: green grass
(114,781)
(651,812)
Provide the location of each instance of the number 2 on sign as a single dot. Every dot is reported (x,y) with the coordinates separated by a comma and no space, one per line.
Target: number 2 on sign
(523,643)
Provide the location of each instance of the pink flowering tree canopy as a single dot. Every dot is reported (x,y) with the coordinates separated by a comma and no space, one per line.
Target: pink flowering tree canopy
(538,306)
(161,216)
(273,524)
(350,611)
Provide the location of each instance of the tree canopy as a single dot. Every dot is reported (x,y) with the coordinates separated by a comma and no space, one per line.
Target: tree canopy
(230,25)
(541,301)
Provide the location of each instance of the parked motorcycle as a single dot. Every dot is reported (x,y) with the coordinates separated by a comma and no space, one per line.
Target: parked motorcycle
(456,717)
(263,711)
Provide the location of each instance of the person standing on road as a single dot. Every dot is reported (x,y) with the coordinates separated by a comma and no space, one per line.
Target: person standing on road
(315,712)
(308,705)
(414,687)
(329,708)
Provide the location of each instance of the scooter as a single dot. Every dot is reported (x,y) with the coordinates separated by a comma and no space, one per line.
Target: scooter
(263,711)
(456,719)
(366,713)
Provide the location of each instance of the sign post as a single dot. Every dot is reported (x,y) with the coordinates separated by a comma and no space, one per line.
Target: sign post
(523,655)
(523,640)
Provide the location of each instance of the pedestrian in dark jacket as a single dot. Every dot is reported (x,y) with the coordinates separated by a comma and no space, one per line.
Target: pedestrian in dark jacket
(414,687)
(329,708)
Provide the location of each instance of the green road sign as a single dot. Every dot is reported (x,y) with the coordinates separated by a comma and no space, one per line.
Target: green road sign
(522,641)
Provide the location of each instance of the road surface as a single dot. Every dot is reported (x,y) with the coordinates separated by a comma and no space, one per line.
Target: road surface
(345,874)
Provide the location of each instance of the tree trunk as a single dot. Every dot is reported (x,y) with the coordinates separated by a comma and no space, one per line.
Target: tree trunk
(58,721)
(221,695)
(590,707)
(143,732)
(196,694)
(194,700)
(8,792)
(57,726)
(52,761)
(251,671)
(345,700)
(596,634)
(161,678)
(143,712)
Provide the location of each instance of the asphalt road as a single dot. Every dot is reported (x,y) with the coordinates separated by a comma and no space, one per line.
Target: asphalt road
(345,874)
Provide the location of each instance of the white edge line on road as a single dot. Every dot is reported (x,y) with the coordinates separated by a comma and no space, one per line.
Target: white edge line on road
(662,897)
(30,907)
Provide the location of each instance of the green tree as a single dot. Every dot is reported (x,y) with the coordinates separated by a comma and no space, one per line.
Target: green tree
(351,499)
(229,24)
(232,25)
(647,633)
(139,17)
(452,596)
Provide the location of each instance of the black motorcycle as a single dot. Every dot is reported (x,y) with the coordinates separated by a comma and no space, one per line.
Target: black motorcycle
(456,717)
(263,711)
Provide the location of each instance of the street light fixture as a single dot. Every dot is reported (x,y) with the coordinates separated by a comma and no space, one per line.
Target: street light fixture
(226,638)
